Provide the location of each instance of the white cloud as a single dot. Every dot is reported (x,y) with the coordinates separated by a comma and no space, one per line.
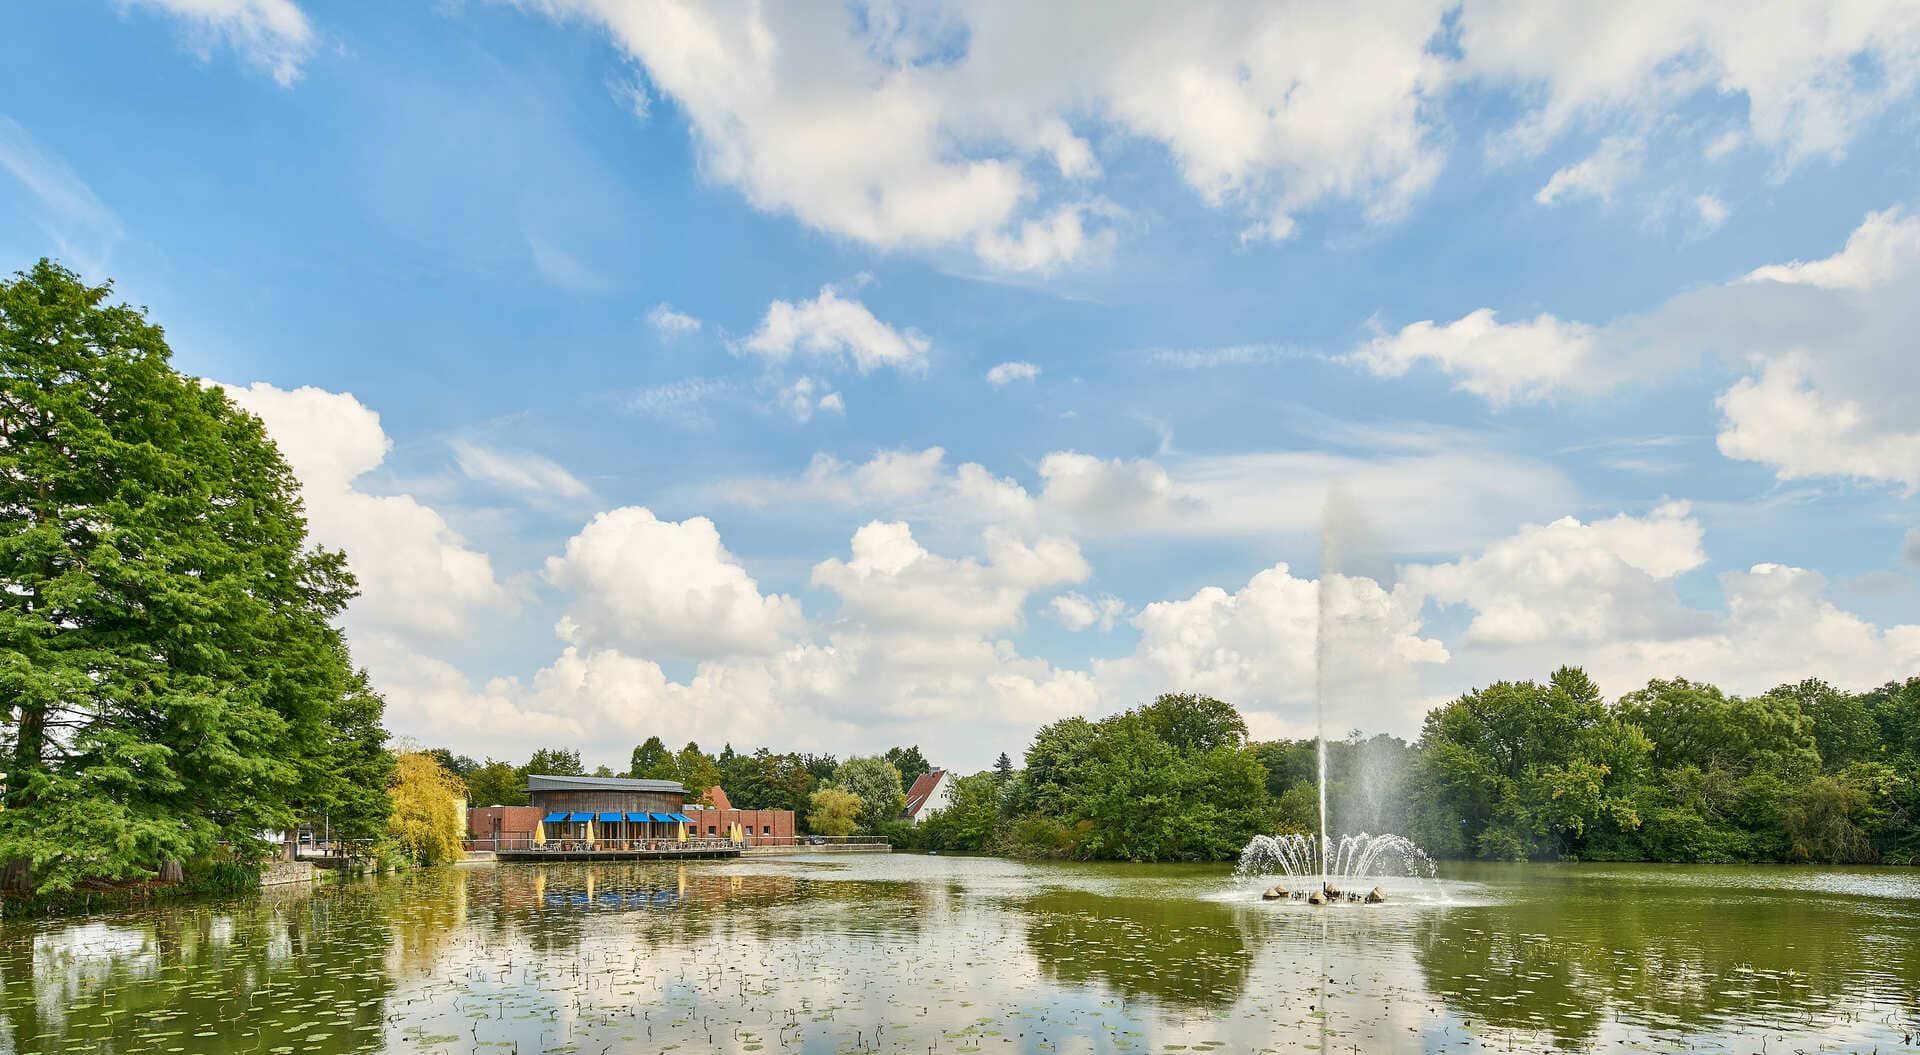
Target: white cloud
(1007,373)
(972,126)
(1831,342)
(416,574)
(917,127)
(1712,211)
(1078,612)
(1467,493)
(829,327)
(1824,349)
(1811,73)
(1113,492)
(1778,628)
(1045,245)
(669,323)
(517,470)
(1783,419)
(1574,582)
(806,397)
(891,580)
(1884,246)
(273,34)
(638,581)
(1256,648)
(1597,176)
(1500,362)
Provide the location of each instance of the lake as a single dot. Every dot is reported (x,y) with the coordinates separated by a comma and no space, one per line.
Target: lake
(910,953)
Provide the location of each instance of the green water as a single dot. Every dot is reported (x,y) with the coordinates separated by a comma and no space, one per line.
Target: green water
(907,953)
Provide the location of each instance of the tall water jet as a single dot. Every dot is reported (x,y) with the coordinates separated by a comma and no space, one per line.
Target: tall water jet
(1354,568)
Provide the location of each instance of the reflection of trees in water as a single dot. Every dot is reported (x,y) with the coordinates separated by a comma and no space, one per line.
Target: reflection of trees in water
(1183,953)
(205,979)
(425,908)
(1671,958)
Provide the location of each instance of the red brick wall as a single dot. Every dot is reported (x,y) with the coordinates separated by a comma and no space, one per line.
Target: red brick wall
(771,826)
(507,822)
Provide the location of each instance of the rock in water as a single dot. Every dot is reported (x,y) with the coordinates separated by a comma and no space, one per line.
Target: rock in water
(1316,898)
(1376,896)
(1273,893)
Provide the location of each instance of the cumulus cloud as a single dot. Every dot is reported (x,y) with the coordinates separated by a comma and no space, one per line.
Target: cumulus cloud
(1570,581)
(1078,612)
(669,323)
(1500,362)
(416,573)
(806,397)
(1823,349)
(272,34)
(890,579)
(1257,646)
(972,127)
(1596,176)
(1007,373)
(637,581)
(830,327)
(1811,73)
(521,471)
(1604,595)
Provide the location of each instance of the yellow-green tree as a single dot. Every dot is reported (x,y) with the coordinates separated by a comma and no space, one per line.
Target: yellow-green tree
(835,812)
(426,809)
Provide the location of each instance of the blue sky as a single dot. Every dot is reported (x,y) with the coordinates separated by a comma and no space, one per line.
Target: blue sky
(643,357)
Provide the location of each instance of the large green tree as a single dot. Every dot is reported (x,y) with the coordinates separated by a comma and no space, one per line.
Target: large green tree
(877,783)
(652,761)
(170,670)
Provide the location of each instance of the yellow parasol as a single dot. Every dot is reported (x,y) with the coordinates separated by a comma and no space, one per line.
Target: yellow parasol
(539,833)
(589,833)
(683,833)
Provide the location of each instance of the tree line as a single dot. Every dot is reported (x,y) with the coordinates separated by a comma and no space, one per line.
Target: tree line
(861,795)
(1676,771)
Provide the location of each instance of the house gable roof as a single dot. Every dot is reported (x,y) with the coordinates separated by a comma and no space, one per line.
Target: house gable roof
(923,786)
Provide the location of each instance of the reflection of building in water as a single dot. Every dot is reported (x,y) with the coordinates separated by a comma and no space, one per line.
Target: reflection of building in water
(605,886)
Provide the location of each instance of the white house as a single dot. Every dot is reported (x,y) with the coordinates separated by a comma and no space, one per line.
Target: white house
(931,792)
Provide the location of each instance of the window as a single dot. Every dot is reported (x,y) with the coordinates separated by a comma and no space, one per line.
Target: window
(766,829)
(711,830)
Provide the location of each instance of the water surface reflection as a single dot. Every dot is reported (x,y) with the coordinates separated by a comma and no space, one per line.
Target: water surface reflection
(909,953)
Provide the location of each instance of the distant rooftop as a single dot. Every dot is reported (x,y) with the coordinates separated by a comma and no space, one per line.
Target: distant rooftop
(548,782)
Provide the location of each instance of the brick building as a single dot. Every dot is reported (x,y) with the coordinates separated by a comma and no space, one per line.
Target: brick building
(757,827)
(621,809)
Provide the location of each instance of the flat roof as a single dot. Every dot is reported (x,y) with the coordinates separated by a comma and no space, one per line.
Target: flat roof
(549,782)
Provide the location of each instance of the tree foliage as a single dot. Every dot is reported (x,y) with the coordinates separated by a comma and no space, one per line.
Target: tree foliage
(173,678)
(425,824)
(877,784)
(833,811)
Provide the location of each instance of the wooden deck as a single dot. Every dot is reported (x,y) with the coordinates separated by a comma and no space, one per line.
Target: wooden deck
(678,853)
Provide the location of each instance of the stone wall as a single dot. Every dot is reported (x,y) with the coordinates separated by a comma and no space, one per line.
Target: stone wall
(281,873)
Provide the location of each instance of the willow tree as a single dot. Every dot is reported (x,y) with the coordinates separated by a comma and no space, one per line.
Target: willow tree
(425,824)
(170,672)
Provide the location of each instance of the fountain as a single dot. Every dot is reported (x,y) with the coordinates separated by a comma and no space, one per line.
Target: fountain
(1297,857)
